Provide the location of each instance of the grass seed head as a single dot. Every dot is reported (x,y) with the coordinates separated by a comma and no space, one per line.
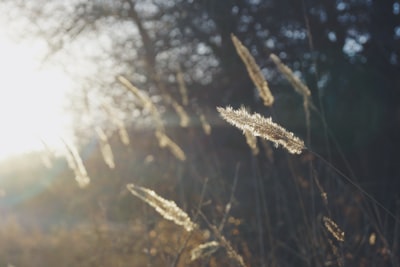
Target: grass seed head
(297,84)
(105,148)
(205,125)
(254,72)
(165,142)
(204,250)
(166,208)
(333,228)
(262,127)
(76,164)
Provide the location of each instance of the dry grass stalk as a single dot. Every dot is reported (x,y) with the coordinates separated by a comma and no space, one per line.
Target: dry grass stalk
(182,86)
(76,164)
(144,100)
(122,132)
(184,118)
(167,208)
(204,250)
(232,254)
(251,140)
(254,71)
(323,193)
(335,251)
(269,152)
(47,157)
(205,125)
(333,228)
(105,148)
(306,105)
(263,127)
(165,141)
(297,84)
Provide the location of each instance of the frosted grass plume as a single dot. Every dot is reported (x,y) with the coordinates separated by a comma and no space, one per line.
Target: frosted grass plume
(105,148)
(254,72)
(297,84)
(204,250)
(166,208)
(204,124)
(144,100)
(165,141)
(122,132)
(262,127)
(76,164)
(184,119)
(183,116)
(333,228)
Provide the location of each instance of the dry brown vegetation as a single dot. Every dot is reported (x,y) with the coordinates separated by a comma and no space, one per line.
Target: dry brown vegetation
(301,216)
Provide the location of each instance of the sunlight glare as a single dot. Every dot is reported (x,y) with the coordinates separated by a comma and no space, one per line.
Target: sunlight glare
(32,99)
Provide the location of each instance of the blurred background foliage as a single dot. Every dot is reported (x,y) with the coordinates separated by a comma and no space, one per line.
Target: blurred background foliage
(346,51)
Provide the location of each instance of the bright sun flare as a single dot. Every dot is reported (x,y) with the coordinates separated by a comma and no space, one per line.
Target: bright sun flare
(32,98)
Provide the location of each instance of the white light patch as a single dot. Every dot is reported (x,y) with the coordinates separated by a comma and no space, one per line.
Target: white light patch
(32,98)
